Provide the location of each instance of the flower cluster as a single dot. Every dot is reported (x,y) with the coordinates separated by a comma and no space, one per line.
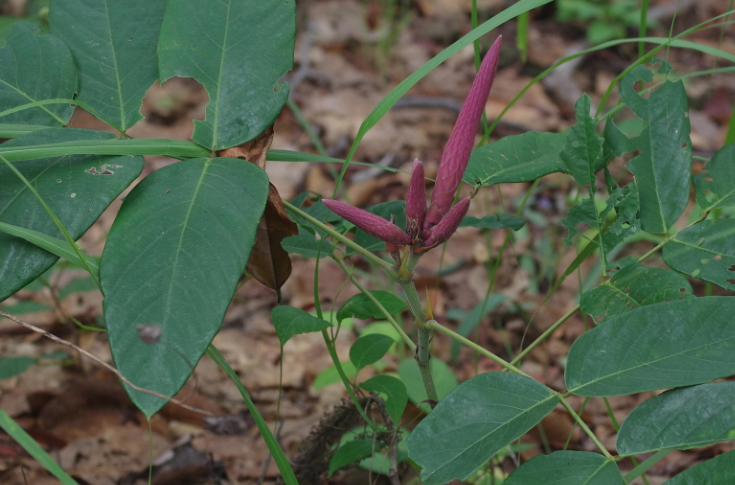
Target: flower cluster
(427,228)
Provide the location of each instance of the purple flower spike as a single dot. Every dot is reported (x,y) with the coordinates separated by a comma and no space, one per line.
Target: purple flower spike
(416,201)
(458,148)
(370,223)
(448,225)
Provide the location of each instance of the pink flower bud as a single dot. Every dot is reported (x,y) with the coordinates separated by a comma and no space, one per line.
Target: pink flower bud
(370,223)
(458,148)
(448,225)
(416,200)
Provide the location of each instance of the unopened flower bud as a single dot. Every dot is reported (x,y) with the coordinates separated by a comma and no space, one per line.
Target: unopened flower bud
(457,151)
(416,200)
(448,225)
(370,223)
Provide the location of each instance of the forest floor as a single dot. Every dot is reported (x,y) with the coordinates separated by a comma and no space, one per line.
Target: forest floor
(349,55)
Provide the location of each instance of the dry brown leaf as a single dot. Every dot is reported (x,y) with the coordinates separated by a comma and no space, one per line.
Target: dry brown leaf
(269,263)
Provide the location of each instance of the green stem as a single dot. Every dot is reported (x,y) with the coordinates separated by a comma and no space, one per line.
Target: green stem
(642,27)
(648,463)
(586,429)
(544,335)
(364,252)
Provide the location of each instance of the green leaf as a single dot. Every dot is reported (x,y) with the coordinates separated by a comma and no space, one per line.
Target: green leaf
(717,471)
(582,154)
(444,380)
(395,391)
(475,421)
(634,286)
(663,168)
(715,188)
(114,45)
(306,245)
(691,417)
(369,349)
(290,321)
(12,366)
(517,158)
(173,259)
(474,317)
(331,375)
(396,210)
(568,468)
(616,143)
(238,49)
(494,222)
(32,68)
(352,452)
(362,307)
(75,195)
(654,347)
(705,251)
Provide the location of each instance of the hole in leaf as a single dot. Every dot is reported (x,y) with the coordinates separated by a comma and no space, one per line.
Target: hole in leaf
(708,179)
(718,257)
(731,281)
(682,290)
(731,268)
(683,145)
(686,115)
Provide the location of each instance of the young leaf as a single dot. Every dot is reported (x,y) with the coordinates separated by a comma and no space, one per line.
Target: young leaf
(369,349)
(361,306)
(33,68)
(518,158)
(12,366)
(172,259)
(634,286)
(716,471)
(444,380)
(567,467)
(306,244)
(352,452)
(715,187)
(691,417)
(705,251)
(475,421)
(238,49)
(290,321)
(655,347)
(114,45)
(394,389)
(663,168)
(75,194)
(582,154)
(494,222)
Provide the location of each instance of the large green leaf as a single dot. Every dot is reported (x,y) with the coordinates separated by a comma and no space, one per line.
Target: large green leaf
(238,49)
(475,421)
(717,471)
(663,168)
(582,152)
(172,259)
(705,251)
(682,418)
(68,187)
(715,188)
(114,45)
(567,468)
(633,286)
(517,158)
(33,68)
(655,347)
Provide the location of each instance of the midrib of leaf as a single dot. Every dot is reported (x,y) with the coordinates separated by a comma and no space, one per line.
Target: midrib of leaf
(621,292)
(596,472)
(500,425)
(34,179)
(117,69)
(219,78)
(63,123)
(517,166)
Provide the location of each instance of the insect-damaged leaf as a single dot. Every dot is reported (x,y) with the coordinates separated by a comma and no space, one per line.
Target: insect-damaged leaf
(173,259)
(582,154)
(238,49)
(269,263)
(715,188)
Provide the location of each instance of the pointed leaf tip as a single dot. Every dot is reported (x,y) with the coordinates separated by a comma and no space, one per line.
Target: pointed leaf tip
(448,225)
(458,148)
(370,223)
(416,200)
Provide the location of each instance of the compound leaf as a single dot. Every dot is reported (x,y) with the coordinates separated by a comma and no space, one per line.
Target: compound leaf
(681,418)
(238,49)
(654,347)
(475,421)
(717,471)
(77,188)
(33,68)
(715,188)
(705,251)
(568,468)
(290,321)
(114,45)
(173,259)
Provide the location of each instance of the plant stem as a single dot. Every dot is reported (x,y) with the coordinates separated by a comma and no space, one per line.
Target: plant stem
(348,242)
(648,463)
(423,355)
(434,325)
(544,335)
(586,429)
